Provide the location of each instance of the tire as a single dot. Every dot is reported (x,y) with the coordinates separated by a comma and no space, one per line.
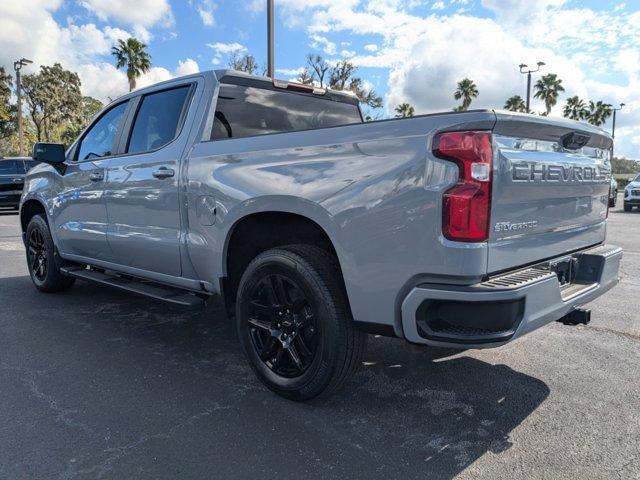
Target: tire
(302,283)
(628,208)
(41,258)
(612,202)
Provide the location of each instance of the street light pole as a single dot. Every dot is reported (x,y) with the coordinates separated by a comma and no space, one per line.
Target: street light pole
(613,127)
(529,72)
(17,66)
(270,43)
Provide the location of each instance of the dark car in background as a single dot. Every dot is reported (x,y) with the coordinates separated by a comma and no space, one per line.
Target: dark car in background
(12,172)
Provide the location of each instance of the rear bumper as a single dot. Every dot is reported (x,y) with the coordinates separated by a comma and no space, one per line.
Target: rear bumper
(508,306)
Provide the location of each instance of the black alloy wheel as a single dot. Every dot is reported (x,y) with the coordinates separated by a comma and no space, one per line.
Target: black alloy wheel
(282,325)
(37,254)
(295,324)
(41,258)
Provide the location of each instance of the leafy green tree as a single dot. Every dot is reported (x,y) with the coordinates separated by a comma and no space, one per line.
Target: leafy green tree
(575,108)
(7,110)
(467,91)
(548,89)
(133,55)
(598,113)
(244,63)
(53,99)
(404,110)
(624,166)
(515,104)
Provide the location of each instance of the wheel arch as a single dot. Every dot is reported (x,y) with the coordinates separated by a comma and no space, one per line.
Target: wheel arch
(268,229)
(28,210)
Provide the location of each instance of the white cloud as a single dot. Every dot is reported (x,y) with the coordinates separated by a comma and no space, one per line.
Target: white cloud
(437,6)
(205,9)
(187,67)
(323,43)
(146,13)
(371,47)
(227,48)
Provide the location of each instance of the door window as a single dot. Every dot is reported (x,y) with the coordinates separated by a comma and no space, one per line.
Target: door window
(11,167)
(158,119)
(100,139)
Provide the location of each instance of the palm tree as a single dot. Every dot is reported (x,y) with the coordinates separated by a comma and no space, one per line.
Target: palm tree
(598,113)
(547,89)
(575,108)
(405,110)
(132,54)
(467,91)
(515,104)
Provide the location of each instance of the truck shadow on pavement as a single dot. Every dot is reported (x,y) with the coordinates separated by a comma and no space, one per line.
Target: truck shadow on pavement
(118,384)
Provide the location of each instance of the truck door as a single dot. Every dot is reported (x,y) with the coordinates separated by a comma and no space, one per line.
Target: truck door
(80,211)
(142,184)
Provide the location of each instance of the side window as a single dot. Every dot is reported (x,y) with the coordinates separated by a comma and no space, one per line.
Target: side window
(158,119)
(11,167)
(99,140)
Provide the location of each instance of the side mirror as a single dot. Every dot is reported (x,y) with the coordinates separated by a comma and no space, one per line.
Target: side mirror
(52,153)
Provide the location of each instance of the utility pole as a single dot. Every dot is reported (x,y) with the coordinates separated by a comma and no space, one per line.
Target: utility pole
(17,66)
(529,72)
(270,43)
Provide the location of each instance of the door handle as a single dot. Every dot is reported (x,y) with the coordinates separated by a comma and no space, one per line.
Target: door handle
(18,180)
(164,172)
(96,176)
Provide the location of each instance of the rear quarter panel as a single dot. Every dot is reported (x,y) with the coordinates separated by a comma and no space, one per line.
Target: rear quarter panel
(374,188)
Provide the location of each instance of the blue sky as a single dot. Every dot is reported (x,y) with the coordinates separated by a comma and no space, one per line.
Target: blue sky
(407,50)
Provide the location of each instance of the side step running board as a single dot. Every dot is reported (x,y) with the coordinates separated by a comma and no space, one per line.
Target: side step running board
(133,285)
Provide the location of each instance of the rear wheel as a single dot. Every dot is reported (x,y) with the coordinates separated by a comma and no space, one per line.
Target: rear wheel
(41,261)
(294,322)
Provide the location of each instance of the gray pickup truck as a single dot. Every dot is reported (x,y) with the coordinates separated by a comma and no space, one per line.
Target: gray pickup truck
(463,230)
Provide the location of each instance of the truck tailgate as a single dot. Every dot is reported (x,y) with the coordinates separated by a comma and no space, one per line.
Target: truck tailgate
(549,194)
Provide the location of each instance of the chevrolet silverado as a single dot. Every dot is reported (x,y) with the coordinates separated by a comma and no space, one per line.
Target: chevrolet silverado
(460,229)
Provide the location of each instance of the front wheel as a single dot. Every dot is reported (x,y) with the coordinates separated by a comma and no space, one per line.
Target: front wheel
(294,322)
(41,262)
(627,208)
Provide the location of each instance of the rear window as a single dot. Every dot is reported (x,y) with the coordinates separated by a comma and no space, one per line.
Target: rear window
(11,167)
(158,119)
(243,111)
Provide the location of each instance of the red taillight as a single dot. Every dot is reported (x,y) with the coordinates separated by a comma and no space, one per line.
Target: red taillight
(466,206)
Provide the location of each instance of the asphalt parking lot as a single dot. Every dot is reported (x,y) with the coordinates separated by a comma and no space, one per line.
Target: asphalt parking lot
(95,383)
